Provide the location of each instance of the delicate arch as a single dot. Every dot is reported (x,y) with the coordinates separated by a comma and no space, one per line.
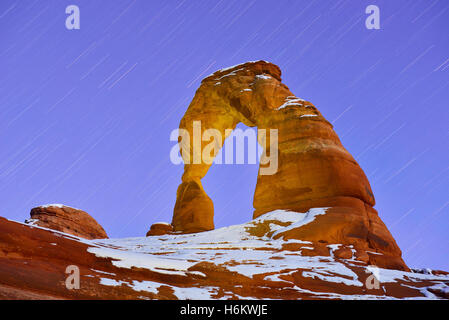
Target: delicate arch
(252,93)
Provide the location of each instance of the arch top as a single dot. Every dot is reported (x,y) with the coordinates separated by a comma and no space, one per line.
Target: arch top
(256,67)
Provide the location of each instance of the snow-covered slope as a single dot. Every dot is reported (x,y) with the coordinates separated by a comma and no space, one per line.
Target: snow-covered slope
(238,262)
(279,263)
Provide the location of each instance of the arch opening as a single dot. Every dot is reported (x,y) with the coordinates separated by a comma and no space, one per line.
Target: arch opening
(231,184)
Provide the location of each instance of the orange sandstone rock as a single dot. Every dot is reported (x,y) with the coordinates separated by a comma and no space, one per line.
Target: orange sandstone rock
(314,169)
(343,253)
(66,219)
(33,264)
(159,229)
(194,210)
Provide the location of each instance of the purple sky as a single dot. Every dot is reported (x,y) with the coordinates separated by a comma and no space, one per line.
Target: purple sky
(85,115)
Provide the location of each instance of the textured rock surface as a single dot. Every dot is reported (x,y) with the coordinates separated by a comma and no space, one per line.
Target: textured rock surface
(160,228)
(228,263)
(66,219)
(314,168)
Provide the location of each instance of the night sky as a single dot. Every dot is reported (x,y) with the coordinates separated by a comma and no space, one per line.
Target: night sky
(86,115)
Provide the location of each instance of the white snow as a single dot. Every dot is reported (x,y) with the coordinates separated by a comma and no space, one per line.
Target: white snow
(233,73)
(295,98)
(32,222)
(148,286)
(198,273)
(307,217)
(284,215)
(184,251)
(190,293)
(103,272)
(237,65)
(376,253)
(228,68)
(194,293)
(239,251)
(57,205)
(289,102)
(325,276)
(111,282)
(162,222)
(334,247)
(263,76)
(129,259)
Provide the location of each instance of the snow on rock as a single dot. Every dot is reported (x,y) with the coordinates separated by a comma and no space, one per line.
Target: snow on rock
(66,219)
(233,73)
(239,251)
(129,259)
(57,205)
(304,218)
(291,102)
(263,76)
(227,263)
(111,282)
(237,65)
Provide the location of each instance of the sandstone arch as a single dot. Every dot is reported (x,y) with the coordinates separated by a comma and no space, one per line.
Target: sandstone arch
(315,170)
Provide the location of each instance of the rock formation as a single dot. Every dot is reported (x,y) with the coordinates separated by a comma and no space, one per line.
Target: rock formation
(314,232)
(237,262)
(66,219)
(314,169)
(160,228)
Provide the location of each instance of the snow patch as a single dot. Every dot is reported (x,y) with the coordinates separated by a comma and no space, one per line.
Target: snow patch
(239,251)
(103,272)
(306,218)
(203,293)
(233,73)
(129,259)
(263,76)
(237,65)
(148,286)
(163,222)
(111,282)
(32,222)
(290,103)
(57,205)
